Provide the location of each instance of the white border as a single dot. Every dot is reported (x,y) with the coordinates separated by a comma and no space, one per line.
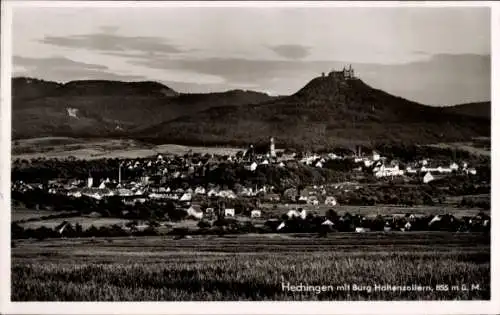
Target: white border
(434,307)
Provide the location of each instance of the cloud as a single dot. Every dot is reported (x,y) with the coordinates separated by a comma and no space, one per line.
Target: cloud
(294,52)
(54,63)
(62,69)
(439,80)
(109,29)
(113,43)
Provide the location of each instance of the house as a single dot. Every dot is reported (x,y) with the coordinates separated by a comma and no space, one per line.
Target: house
(375,156)
(63,227)
(246,192)
(124,192)
(255,214)
(227,194)
(437,218)
(145,180)
(454,166)
(209,211)
(328,223)
(330,201)
(362,230)
(290,194)
(197,214)
(385,171)
(293,214)
(444,169)
(319,164)
(428,178)
(229,212)
(313,200)
(102,185)
(95,193)
(303,214)
(411,170)
(251,166)
(212,193)
(186,197)
(368,163)
(74,193)
(303,199)
(407,226)
(273,197)
(472,171)
(158,196)
(281,226)
(200,191)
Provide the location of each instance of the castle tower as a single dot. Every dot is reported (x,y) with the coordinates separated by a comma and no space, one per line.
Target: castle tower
(351,72)
(272,149)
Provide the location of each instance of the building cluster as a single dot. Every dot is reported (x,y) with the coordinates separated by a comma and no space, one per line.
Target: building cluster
(155,174)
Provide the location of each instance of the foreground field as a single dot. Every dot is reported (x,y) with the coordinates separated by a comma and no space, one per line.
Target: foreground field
(253,267)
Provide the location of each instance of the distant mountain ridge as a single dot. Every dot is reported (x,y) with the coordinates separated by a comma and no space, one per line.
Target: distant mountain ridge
(327,111)
(106,108)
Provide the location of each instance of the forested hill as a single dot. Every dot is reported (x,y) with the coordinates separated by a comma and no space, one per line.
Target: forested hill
(100,108)
(327,111)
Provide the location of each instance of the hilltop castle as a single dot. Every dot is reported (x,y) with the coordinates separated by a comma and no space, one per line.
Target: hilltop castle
(344,74)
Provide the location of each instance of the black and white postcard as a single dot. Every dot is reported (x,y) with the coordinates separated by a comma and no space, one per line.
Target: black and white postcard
(247,152)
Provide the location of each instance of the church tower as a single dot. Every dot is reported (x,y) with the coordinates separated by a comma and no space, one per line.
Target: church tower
(90,181)
(272,149)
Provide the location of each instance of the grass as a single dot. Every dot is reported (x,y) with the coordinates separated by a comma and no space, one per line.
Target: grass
(249,267)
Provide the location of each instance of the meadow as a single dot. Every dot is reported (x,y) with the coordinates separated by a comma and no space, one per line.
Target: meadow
(88,149)
(372,211)
(251,267)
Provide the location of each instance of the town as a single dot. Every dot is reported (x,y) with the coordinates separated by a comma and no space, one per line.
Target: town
(261,189)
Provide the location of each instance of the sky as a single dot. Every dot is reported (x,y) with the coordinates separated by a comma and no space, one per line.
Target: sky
(436,56)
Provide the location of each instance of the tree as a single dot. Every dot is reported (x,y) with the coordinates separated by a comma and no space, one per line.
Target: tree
(204,224)
(332,215)
(132,225)
(153,224)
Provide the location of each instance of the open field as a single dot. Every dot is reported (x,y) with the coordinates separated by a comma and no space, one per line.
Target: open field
(21,214)
(61,147)
(478,146)
(85,222)
(370,211)
(252,267)
(268,211)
